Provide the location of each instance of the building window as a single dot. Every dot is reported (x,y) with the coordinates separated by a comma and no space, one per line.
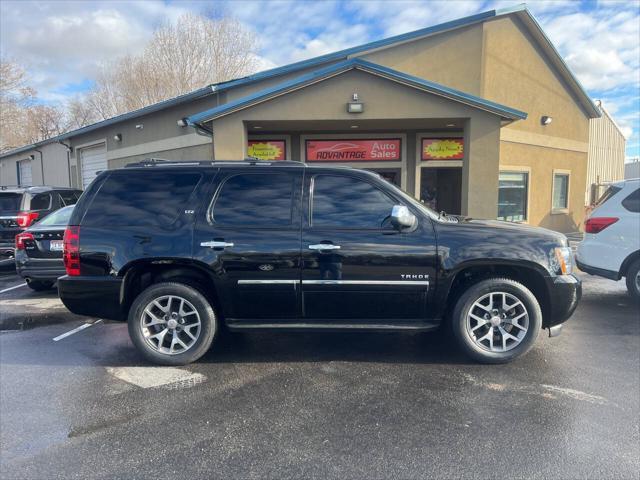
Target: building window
(513,191)
(560,192)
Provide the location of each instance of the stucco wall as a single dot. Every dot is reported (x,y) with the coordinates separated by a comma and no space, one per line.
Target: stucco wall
(56,171)
(451,58)
(383,99)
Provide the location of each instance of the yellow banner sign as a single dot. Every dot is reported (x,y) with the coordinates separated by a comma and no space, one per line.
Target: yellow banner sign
(442,148)
(267,149)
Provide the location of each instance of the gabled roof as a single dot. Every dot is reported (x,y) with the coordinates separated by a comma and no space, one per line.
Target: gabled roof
(506,113)
(520,11)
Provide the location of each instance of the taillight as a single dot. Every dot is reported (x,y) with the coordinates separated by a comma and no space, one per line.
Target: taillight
(71,250)
(25,219)
(597,224)
(20,239)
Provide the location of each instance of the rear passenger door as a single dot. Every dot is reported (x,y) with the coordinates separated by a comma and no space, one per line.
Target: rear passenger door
(250,239)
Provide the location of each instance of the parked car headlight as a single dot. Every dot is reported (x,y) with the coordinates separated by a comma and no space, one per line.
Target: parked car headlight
(561,261)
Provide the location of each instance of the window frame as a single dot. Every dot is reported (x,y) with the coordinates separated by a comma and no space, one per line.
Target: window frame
(626,199)
(566,173)
(210,209)
(308,224)
(527,172)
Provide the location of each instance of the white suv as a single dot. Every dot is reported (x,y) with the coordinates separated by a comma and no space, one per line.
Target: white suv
(611,245)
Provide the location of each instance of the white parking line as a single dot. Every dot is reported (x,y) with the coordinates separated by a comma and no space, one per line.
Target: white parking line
(75,330)
(14,287)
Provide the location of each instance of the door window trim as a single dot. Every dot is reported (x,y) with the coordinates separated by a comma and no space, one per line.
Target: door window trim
(216,194)
(308,223)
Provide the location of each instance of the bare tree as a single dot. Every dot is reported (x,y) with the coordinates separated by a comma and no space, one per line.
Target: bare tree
(15,98)
(180,57)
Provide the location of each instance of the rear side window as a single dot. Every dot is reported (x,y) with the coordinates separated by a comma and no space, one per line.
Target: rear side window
(346,202)
(632,201)
(255,200)
(41,201)
(10,202)
(135,198)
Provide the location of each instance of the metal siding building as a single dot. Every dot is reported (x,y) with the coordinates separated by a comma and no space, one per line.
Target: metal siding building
(605,159)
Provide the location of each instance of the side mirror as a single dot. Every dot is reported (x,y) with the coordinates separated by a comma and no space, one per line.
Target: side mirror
(402,218)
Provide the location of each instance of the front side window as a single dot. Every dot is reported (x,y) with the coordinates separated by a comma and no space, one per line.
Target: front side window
(560,191)
(346,202)
(513,189)
(255,200)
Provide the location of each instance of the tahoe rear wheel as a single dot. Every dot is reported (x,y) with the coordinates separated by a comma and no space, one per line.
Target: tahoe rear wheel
(172,323)
(496,320)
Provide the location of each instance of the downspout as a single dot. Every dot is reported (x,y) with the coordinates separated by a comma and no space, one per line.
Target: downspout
(41,164)
(69,149)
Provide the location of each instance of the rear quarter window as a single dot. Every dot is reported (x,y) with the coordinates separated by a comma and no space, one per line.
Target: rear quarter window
(632,201)
(40,201)
(141,198)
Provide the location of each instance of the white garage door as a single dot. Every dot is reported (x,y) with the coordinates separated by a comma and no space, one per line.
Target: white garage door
(92,161)
(24,173)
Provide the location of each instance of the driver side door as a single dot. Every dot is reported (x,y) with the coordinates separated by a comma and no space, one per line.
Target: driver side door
(354,263)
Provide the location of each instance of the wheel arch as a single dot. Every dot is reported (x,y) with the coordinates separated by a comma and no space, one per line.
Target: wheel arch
(140,274)
(627,262)
(529,274)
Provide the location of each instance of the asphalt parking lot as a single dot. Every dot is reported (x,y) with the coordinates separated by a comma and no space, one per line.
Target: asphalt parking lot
(318,405)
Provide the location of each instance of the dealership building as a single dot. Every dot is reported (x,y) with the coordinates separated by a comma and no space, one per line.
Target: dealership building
(478,116)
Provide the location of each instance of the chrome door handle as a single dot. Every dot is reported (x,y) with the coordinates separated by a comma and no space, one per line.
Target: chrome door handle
(324,246)
(215,244)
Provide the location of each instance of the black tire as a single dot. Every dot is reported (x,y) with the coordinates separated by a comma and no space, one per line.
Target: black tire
(475,292)
(40,285)
(207,316)
(632,280)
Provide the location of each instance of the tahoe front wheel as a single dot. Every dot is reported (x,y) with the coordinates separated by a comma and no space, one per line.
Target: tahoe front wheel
(172,323)
(496,320)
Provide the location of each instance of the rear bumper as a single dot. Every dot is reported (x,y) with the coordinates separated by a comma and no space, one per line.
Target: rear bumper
(39,268)
(92,296)
(600,272)
(565,291)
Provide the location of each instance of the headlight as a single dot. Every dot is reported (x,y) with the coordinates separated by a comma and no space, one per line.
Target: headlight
(561,261)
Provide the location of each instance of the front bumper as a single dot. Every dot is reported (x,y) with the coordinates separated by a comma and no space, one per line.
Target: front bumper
(92,296)
(565,291)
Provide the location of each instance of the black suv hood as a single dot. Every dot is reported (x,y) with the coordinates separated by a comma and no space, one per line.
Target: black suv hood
(515,228)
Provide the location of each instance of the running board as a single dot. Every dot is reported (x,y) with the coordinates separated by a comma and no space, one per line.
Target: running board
(248,325)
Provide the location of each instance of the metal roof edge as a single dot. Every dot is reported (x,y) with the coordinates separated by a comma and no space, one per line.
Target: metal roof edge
(197,119)
(201,92)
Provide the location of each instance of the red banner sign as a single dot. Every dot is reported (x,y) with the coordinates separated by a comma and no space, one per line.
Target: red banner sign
(267,149)
(356,150)
(442,148)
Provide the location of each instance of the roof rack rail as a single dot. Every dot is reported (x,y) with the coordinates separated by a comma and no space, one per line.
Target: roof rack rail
(159,162)
(6,187)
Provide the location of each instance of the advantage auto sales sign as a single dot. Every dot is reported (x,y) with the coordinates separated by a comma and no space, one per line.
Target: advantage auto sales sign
(345,150)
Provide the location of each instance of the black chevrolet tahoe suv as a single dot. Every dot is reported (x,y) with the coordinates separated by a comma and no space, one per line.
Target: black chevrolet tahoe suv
(182,250)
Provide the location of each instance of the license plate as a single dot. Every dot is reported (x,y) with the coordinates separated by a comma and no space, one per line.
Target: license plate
(56,245)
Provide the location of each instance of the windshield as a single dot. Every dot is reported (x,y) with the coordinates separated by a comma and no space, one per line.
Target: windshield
(59,217)
(10,202)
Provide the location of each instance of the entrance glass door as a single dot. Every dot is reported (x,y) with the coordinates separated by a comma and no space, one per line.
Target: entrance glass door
(441,188)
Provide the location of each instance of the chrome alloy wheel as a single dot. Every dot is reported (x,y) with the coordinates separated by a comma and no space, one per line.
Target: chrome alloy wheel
(170,324)
(497,322)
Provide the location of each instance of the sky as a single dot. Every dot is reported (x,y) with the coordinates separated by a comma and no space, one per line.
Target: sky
(62,42)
